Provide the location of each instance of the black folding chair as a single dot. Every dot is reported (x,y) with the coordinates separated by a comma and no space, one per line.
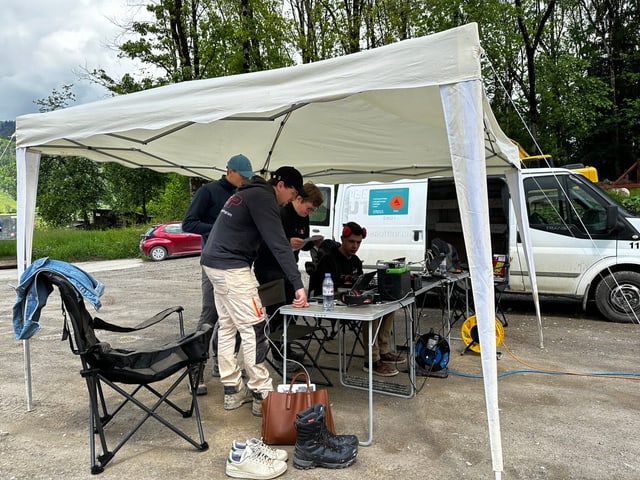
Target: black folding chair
(180,358)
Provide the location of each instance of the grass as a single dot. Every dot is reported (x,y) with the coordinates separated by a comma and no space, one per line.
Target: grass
(81,245)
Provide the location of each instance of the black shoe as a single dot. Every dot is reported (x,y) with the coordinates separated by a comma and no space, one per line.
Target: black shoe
(316,449)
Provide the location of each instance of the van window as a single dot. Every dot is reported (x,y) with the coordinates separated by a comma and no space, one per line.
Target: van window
(322,216)
(582,214)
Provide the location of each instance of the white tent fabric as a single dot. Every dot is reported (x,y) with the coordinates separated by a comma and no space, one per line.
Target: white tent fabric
(408,110)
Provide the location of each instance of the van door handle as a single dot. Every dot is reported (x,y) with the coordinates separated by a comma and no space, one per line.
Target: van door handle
(416,235)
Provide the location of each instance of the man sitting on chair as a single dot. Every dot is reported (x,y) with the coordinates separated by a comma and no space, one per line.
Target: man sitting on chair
(345,267)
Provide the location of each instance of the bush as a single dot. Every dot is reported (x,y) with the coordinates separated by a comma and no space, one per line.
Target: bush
(81,245)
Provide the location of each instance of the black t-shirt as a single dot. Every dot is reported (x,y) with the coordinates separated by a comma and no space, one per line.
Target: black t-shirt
(344,271)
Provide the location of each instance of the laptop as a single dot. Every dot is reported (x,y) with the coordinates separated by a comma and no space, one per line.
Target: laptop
(363,282)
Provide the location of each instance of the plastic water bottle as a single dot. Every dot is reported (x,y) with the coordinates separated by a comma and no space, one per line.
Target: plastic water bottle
(327,293)
(443,266)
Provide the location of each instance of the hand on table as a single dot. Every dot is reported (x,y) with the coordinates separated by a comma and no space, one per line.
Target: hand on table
(301,299)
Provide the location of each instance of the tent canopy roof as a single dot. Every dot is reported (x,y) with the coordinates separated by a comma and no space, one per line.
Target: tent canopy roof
(373,115)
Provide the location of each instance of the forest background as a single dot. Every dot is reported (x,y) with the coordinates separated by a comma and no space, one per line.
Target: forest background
(563,78)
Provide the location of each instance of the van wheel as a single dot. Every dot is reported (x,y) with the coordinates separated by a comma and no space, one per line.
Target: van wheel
(618,297)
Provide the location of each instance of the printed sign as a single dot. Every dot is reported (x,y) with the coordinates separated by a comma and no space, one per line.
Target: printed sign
(389,201)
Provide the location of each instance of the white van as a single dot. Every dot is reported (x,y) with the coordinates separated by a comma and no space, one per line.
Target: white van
(585,245)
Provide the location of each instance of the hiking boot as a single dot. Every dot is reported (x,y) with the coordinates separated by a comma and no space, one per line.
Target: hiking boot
(392,358)
(235,398)
(256,406)
(259,445)
(253,463)
(381,369)
(314,449)
(320,410)
(201,389)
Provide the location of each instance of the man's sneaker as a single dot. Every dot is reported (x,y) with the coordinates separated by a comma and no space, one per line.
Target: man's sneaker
(392,358)
(252,463)
(381,369)
(236,398)
(259,445)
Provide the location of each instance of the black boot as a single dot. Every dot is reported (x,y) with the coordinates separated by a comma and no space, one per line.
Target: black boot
(319,409)
(314,449)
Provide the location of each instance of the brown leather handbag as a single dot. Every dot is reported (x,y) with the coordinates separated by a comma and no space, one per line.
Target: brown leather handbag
(279,411)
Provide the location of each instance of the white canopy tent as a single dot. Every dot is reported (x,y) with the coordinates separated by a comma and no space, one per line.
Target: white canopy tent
(413,109)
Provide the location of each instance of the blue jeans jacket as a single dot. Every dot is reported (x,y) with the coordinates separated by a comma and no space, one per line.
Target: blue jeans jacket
(32,293)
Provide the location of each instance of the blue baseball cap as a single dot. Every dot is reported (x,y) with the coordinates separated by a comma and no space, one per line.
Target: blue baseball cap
(242,165)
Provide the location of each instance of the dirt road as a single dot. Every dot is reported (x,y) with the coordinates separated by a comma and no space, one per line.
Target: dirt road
(556,424)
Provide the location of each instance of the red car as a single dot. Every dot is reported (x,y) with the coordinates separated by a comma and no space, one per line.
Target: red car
(168,240)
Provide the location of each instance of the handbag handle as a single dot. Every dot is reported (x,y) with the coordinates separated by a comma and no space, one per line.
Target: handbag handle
(306,394)
(306,377)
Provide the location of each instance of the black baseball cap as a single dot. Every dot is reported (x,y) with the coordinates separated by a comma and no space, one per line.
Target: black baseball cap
(291,178)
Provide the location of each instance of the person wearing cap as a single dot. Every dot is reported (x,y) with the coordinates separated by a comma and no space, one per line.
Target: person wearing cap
(295,221)
(250,217)
(200,217)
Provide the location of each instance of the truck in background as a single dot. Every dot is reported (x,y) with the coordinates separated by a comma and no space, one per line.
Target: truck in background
(585,245)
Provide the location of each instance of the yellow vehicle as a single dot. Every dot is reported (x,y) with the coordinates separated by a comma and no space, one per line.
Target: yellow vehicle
(546,161)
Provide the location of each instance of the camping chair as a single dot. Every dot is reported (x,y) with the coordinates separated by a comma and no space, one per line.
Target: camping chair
(181,358)
(303,337)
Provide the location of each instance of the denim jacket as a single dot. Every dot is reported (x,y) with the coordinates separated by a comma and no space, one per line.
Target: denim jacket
(32,293)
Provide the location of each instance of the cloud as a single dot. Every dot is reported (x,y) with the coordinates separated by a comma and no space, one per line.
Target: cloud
(46,45)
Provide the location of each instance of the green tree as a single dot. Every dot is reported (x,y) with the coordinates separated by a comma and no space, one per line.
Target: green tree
(68,187)
(608,34)
(8,167)
(131,190)
(172,204)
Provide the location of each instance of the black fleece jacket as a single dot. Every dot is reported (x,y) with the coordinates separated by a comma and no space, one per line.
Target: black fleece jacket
(205,207)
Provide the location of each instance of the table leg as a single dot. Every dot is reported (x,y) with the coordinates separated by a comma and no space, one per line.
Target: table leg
(284,348)
(370,439)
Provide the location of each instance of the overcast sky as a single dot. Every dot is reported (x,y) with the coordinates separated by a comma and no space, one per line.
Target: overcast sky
(44,44)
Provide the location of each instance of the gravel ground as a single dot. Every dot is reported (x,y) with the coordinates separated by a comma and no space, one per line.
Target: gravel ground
(559,424)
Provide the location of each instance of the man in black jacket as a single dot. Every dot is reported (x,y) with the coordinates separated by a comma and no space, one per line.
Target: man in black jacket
(200,217)
(250,216)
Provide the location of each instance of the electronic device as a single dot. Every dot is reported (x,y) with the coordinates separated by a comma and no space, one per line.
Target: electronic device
(356,298)
(432,352)
(394,280)
(363,281)
(297,387)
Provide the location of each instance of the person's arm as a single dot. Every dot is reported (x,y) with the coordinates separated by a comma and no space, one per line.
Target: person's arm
(269,224)
(194,220)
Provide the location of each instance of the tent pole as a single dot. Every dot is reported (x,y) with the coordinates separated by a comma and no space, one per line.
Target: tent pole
(26,348)
(27,166)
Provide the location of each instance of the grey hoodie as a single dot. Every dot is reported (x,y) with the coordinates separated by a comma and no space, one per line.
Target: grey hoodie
(249,217)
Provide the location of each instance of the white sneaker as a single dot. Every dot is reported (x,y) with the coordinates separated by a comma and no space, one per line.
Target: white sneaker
(252,463)
(255,444)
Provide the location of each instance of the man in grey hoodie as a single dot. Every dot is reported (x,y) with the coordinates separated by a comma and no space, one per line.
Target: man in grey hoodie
(250,216)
